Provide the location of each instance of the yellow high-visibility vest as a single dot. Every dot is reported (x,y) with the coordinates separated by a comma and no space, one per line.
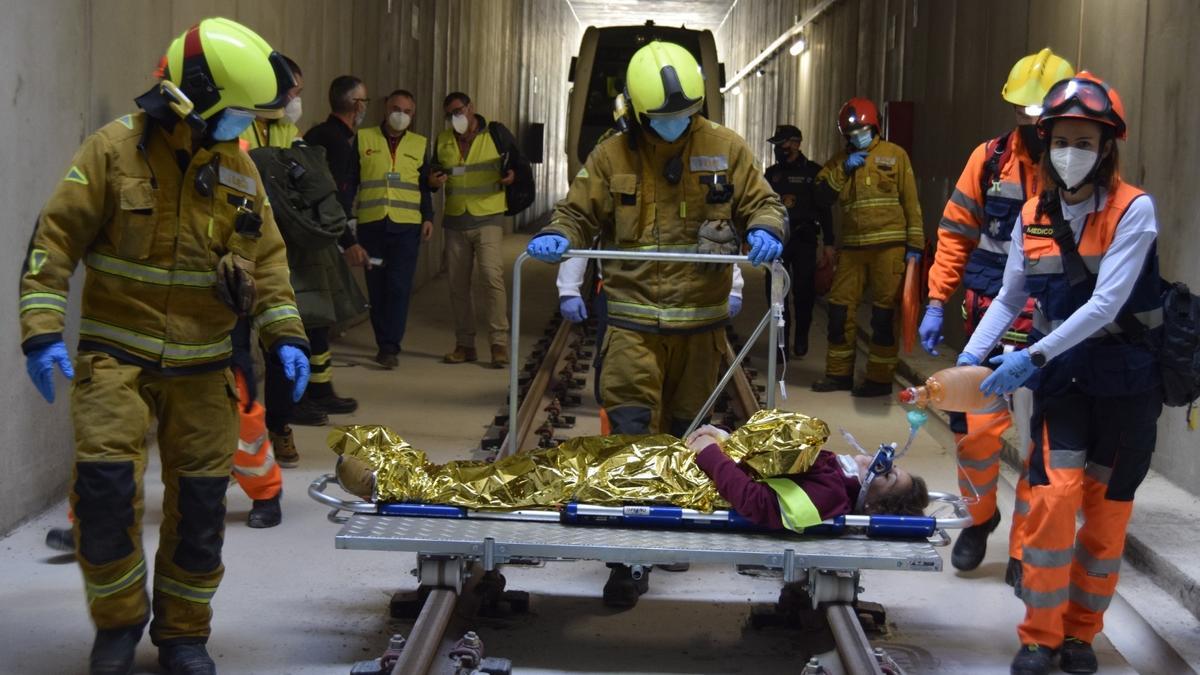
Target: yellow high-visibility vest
(474,186)
(390,184)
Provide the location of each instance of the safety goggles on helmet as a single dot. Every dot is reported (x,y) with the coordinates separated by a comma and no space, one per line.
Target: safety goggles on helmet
(1089,96)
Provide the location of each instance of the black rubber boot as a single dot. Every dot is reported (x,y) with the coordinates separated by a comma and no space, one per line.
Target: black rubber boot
(334,404)
(622,590)
(61,539)
(1013,574)
(190,659)
(833,383)
(265,513)
(1033,660)
(1077,656)
(869,389)
(972,544)
(114,649)
(308,414)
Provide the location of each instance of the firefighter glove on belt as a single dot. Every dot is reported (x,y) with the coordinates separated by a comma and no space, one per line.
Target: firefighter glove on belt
(854,161)
(548,247)
(40,365)
(573,308)
(931,329)
(966,359)
(295,369)
(764,246)
(735,305)
(1013,369)
(235,283)
(717,237)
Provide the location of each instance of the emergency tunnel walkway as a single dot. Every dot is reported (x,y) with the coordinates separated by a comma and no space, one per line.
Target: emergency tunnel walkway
(291,603)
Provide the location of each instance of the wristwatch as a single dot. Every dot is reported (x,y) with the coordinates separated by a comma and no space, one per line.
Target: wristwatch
(1038,359)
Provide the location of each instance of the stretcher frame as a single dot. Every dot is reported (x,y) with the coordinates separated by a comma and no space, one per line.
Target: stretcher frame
(780,284)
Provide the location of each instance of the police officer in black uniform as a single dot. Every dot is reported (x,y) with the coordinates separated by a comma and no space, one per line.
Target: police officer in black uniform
(792,177)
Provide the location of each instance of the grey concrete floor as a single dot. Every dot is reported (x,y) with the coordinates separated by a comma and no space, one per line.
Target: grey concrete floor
(291,603)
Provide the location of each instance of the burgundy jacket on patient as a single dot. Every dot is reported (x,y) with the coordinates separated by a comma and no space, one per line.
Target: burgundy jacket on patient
(830,489)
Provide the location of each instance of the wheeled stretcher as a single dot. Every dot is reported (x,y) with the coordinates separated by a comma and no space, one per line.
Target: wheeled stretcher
(826,560)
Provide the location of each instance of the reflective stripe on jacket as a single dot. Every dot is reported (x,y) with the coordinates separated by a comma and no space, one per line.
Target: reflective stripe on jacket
(622,196)
(151,241)
(474,181)
(390,184)
(878,200)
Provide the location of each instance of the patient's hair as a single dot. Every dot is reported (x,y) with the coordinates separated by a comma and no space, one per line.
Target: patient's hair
(911,502)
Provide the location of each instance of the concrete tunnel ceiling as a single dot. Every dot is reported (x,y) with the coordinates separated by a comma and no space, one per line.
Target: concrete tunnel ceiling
(700,14)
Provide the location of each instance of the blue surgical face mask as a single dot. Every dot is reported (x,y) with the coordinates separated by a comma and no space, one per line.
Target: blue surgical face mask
(670,128)
(230,123)
(861,138)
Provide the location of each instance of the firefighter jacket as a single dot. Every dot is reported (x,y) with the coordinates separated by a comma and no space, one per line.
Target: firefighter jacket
(279,133)
(150,236)
(474,185)
(976,226)
(622,195)
(878,201)
(1108,363)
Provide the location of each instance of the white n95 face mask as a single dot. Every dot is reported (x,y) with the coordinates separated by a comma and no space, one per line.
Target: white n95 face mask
(1073,164)
(459,122)
(399,121)
(293,110)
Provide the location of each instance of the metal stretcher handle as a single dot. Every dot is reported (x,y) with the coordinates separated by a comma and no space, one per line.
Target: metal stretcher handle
(316,490)
(775,311)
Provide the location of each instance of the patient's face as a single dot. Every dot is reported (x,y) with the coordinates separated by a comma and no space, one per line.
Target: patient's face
(896,481)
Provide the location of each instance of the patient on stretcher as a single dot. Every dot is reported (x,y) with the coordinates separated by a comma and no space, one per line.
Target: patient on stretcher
(828,488)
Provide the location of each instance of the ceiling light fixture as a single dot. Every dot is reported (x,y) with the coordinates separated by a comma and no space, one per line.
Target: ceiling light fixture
(797,46)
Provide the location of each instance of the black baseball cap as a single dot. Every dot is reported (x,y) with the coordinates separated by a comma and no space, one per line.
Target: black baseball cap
(785,132)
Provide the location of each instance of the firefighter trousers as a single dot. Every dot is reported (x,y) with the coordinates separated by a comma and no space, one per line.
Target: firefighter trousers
(112,404)
(881,270)
(653,382)
(1089,456)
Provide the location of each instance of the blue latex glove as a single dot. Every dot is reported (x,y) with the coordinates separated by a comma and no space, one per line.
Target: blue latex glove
(931,328)
(548,247)
(1012,370)
(573,308)
(295,369)
(735,305)
(966,359)
(855,161)
(764,246)
(912,255)
(40,366)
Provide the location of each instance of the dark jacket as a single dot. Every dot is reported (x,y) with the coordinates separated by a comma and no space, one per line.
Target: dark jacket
(795,183)
(342,156)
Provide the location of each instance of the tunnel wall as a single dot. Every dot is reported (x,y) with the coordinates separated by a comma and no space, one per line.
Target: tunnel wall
(950,58)
(70,66)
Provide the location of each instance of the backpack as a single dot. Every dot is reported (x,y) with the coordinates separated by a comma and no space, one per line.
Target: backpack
(520,195)
(303,194)
(1179,351)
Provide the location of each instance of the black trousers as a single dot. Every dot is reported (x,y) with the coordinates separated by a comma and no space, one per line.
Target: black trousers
(800,260)
(389,286)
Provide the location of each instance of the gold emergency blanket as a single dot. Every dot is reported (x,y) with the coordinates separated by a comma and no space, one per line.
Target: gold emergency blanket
(601,470)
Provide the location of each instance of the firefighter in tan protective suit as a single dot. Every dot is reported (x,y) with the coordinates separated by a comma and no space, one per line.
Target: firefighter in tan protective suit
(172,223)
(676,182)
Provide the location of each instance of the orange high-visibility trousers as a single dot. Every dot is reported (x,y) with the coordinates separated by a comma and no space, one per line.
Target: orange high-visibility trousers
(979,451)
(1089,455)
(254,464)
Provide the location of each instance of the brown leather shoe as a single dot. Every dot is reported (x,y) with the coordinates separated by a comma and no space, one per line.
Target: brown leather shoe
(499,356)
(461,354)
(284,447)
